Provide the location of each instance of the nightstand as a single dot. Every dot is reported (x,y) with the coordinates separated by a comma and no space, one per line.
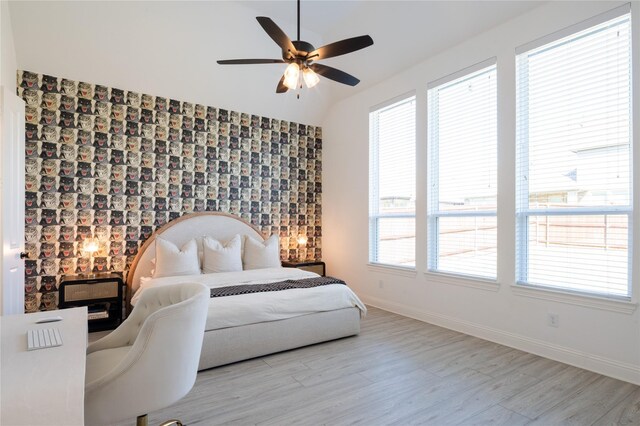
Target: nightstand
(312,266)
(102,294)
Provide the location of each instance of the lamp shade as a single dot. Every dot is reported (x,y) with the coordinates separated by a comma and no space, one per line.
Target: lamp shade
(291,75)
(90,245)
(310,77)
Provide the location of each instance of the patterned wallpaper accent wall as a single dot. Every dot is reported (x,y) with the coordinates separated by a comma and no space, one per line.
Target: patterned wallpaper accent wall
(116,165)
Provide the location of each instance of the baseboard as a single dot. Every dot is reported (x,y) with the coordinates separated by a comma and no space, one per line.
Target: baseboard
(601,365)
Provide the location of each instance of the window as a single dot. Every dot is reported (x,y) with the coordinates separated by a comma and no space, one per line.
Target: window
(392,186)
(463,172)
(574,204)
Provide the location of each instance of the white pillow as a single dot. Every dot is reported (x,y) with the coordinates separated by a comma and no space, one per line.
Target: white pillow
(258,255)
(219,258)
(172,261)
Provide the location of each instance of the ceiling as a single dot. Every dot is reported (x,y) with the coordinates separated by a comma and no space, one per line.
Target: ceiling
(169,48)
(404,32)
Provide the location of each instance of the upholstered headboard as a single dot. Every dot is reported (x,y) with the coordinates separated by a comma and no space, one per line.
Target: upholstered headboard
(221,226)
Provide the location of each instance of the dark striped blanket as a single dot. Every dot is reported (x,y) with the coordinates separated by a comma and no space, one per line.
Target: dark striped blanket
(235,290)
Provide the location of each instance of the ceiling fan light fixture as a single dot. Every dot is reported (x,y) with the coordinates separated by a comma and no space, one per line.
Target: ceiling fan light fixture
(291,75)
(310,77)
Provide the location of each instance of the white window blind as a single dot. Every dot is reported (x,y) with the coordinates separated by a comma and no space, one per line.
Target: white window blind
(463,173)
(574,205)
(392,186)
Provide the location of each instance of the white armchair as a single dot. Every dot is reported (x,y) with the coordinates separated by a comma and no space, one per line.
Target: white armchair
(151,360)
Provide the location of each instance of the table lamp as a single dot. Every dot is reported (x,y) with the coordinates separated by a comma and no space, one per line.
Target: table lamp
(91,245)
(302,242)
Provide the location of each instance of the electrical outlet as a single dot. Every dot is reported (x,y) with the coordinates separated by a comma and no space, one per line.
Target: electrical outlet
(380,284)
(553,320)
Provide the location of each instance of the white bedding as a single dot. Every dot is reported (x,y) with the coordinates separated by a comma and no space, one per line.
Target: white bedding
(233,311)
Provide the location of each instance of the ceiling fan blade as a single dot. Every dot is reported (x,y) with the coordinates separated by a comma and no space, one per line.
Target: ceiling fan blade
(341,47)
(276,34)
(334,74)
(250,61)
(281,87)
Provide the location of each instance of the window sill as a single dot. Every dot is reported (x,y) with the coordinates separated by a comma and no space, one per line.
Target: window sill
(588,301)
(391,269)
(462,280)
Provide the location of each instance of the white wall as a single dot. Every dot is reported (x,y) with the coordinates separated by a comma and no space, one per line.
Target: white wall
(7,82)
(164,48)
(7,50)
(592,334)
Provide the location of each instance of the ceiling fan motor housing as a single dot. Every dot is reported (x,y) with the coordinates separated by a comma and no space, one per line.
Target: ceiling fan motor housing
(303,49)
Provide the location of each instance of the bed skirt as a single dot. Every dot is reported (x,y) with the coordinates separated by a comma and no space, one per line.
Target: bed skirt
(228,345)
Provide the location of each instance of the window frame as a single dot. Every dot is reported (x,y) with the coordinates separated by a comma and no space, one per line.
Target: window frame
(374,214)
(433,165)
(523,210)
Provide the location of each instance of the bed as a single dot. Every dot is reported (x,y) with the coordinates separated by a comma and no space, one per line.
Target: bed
(245,326)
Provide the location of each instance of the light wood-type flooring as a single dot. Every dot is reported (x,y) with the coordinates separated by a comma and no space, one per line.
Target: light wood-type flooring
(402,371)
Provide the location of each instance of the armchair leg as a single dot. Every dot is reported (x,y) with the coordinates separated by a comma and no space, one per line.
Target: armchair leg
(172,423)
(144,421)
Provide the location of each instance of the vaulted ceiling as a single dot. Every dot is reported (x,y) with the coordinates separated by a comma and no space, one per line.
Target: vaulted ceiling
(169,48)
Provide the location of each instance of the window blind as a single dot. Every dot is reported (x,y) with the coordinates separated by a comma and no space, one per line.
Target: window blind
(574,206)
(463,174)
(392,186)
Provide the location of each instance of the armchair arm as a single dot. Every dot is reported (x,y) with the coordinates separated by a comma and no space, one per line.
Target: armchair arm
(117,338)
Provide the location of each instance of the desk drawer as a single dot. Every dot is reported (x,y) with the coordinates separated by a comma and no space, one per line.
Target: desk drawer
(100,290)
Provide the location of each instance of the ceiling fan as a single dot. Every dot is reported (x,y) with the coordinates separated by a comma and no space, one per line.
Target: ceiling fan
(302,56)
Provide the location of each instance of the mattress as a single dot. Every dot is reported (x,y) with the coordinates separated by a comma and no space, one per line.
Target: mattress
(245,309)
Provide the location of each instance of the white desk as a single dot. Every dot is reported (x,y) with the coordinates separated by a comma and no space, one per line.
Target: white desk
(45,386)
